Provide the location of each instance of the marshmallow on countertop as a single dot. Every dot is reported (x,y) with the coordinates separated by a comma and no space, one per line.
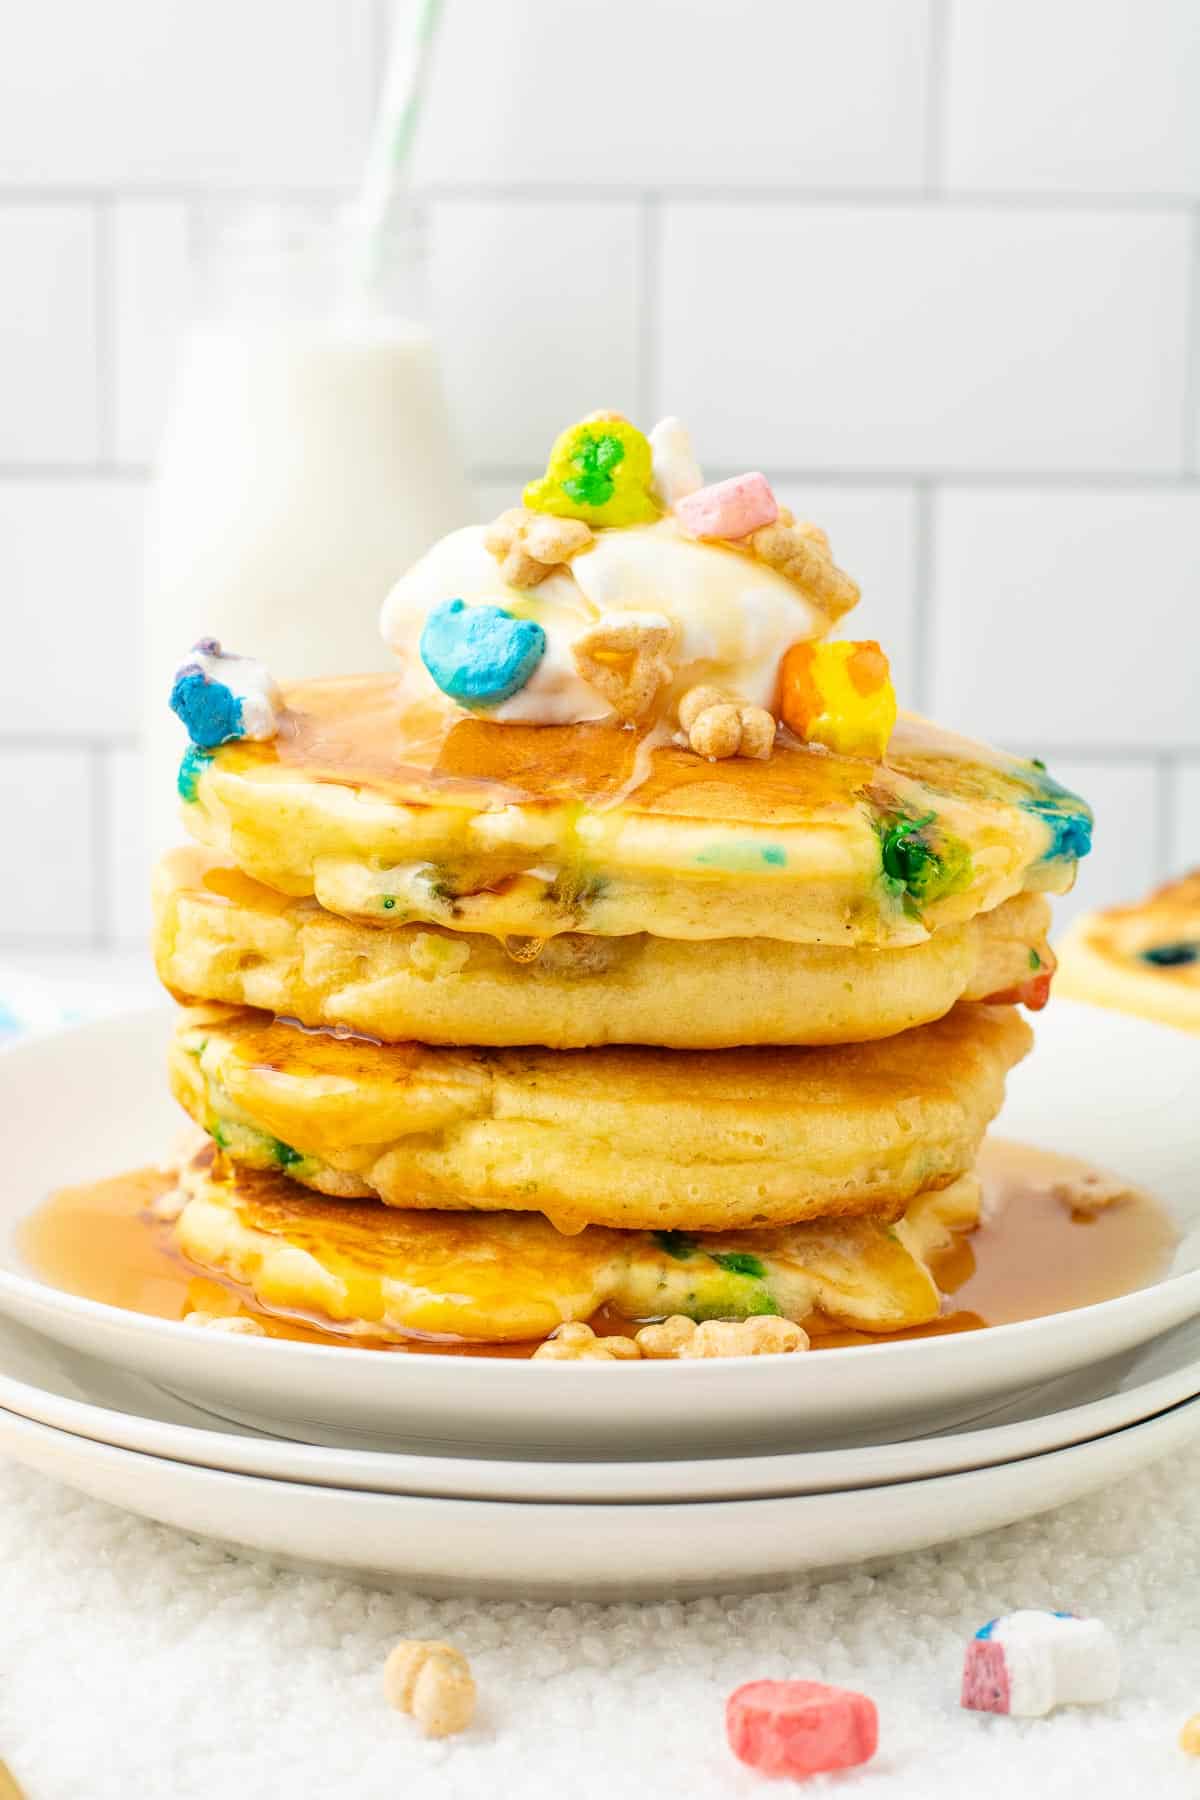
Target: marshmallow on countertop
(800,1728)
(221,697)
(1027,1663)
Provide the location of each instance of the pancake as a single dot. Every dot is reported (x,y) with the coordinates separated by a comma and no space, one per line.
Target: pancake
(394,812)
(220,936)
(1142,959)
(504,1277)
(633,1138)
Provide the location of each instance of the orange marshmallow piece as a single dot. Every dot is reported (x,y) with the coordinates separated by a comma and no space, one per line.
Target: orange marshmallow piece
(840,695)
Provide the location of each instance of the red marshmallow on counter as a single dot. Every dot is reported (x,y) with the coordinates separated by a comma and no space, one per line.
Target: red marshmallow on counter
(800,1728)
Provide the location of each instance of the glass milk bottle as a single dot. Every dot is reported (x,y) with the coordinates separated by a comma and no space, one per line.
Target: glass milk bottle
(307,461)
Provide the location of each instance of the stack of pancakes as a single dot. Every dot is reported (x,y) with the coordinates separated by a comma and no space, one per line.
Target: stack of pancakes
(498,1026)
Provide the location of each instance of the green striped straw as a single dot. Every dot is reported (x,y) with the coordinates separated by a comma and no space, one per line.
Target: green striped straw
(392,137)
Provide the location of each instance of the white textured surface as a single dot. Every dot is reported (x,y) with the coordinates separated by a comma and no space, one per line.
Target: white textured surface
(179,1671)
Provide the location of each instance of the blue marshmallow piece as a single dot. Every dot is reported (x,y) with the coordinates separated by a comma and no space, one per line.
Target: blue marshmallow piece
(211,711)
(480,655)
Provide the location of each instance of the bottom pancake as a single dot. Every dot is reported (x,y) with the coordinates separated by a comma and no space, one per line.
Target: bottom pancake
(633,1138)
(387,1273)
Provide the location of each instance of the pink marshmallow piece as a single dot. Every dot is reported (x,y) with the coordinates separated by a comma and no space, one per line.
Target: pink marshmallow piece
(985,1686)
(728,509)
(800,1728)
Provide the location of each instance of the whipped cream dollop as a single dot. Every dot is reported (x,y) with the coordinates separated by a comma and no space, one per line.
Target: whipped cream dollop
(627,591)
(730,617)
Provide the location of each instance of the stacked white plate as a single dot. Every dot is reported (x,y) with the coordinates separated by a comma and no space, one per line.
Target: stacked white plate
(598,1478)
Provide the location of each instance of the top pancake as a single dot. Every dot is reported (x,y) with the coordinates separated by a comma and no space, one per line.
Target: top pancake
(1142,959)
(392,811)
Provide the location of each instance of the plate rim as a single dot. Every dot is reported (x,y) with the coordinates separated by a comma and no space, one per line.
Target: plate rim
(984,1447)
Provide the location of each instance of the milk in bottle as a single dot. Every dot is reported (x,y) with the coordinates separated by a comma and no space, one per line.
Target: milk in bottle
(307,460)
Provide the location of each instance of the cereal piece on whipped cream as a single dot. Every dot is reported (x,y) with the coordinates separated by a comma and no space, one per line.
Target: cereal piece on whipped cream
(529,545)
(624,656)
(801,552)
(717,726)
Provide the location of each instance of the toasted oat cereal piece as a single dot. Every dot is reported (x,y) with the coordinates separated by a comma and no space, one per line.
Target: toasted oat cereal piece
(801,552)
(762,1335)
(658,1342)
(433,1682)
(576,1342)
(529,545)
(719,727)
(1090,1192)
(624,655)
(1189,1737)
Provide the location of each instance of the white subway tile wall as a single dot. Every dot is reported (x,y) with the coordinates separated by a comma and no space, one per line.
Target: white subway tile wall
(932,265)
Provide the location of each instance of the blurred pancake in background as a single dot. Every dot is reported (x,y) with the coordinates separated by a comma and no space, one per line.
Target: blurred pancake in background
(1143,958)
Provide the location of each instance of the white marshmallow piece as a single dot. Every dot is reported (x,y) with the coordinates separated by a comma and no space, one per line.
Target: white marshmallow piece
(248,679)
(1054,1660)
(675,473)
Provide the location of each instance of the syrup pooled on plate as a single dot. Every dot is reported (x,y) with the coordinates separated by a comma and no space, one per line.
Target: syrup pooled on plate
(1031,1256)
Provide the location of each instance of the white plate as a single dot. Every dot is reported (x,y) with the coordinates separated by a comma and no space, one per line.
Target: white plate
(1101,1085)
(493,1547)
(63,1388)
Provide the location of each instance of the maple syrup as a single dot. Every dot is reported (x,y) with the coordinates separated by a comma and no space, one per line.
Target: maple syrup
(364,731)
(1031,1256)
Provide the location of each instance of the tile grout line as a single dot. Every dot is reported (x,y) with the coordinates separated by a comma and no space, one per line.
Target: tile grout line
(104,325)
(1035,481)
(922,573)
(66,740)
(100,814)
(648,287)
(937,95)
(586,193)
(1191,367)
